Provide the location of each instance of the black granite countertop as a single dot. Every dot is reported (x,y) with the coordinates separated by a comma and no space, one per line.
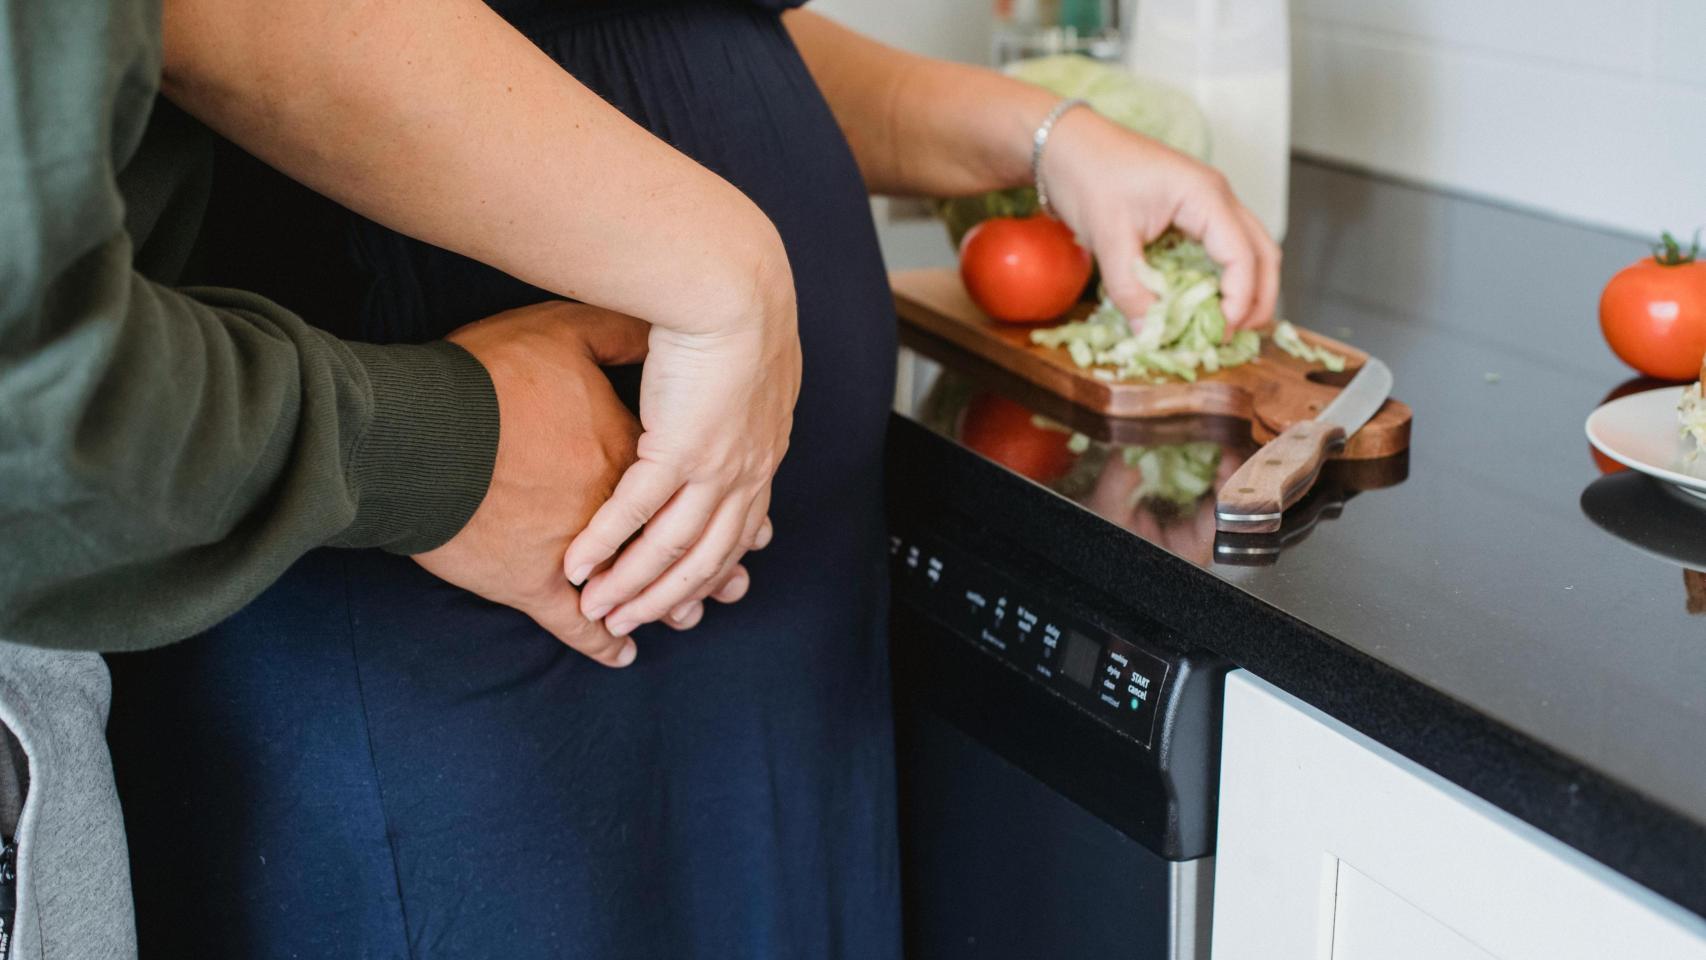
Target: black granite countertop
(1490,605)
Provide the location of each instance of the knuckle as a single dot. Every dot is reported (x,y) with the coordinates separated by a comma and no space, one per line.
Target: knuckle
(592,546)
(632,515)
(672,551)
(1216,181)
(703,571)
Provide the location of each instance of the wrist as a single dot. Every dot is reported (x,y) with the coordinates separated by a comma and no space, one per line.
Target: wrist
(1008,138)
(753,287)
(1062,162)
(425,457)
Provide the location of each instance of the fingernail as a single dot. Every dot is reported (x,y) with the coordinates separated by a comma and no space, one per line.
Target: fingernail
(627,654)
(679,614)
(619,628)
(581,573)
(600,612)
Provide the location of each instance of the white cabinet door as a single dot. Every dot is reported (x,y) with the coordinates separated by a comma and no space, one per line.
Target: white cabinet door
(1333,847)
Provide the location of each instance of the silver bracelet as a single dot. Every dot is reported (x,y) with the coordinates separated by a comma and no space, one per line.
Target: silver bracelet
(1039,140)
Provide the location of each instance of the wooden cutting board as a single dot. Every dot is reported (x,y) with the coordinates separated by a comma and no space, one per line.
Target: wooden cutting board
(1271,392)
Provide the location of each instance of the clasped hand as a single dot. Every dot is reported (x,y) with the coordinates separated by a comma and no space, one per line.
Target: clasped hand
(564,441)
(716,403)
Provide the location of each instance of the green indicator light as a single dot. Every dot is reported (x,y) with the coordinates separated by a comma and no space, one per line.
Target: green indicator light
(1134,703)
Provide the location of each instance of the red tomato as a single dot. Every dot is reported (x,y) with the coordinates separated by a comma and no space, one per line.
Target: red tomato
(1653,313)
(1023,270)
(1004,432)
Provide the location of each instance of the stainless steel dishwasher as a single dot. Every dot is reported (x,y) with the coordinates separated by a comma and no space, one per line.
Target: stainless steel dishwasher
(1058,751)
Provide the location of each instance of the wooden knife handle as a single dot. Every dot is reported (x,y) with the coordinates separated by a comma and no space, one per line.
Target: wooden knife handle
(1255,498)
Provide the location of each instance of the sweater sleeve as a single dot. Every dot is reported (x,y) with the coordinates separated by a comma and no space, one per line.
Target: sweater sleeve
(165,454)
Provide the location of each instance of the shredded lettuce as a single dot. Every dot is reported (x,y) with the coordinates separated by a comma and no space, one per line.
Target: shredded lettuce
(1287,338)
(1181,334)
(1692,413)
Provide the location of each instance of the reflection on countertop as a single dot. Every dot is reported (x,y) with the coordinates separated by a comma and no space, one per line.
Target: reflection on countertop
(1155,477)
(1658,521)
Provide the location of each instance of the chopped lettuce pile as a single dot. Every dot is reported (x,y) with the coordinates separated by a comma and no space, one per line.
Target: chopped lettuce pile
(1692,412)
(1181,334)
(1144,105)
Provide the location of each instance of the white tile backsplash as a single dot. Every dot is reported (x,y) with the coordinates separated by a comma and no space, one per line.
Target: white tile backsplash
(1682,41)
(1584,32)
(1589,109)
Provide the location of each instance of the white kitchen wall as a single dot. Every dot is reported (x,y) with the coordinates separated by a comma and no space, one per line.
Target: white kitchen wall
(1593,110)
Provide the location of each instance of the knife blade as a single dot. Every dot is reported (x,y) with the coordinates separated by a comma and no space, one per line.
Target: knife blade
(1255,498)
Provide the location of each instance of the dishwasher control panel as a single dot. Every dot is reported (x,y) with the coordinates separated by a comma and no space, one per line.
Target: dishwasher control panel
(1117,682)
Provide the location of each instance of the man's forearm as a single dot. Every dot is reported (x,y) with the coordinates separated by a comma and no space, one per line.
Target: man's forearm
(164,454)
(917,125)
(441,121)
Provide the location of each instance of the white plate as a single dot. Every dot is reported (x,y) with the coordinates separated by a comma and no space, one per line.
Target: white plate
(1641,432)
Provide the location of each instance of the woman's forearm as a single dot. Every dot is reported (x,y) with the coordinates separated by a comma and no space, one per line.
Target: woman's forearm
(917,125)
(438,119)
(942,129)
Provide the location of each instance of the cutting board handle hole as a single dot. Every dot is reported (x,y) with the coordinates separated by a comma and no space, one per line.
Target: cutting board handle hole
(1327,378)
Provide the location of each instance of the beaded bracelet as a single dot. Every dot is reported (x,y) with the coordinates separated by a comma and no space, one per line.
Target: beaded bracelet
(1039,140)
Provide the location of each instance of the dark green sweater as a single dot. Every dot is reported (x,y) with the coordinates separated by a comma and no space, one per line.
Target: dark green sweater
(166,453)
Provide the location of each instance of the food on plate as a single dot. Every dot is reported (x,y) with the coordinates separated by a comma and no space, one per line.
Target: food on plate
(1694,583)
(1183,332)
(1009,434)
(1653,312)
(1151,108)
(1692,412)
(1024,270)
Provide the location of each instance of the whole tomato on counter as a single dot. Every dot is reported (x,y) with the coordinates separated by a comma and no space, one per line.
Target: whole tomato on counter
(1023,269)
(1653,312)
(1007,433)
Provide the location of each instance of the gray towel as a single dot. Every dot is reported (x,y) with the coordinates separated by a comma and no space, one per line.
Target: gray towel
(73,868)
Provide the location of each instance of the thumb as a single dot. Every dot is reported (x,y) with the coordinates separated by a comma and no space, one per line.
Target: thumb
(560,615)
(1117,255)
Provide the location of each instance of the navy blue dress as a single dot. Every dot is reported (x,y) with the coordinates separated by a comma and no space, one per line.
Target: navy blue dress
(367,762)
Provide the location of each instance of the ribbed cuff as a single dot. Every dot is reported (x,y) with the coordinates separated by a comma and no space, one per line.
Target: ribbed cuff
(423,465)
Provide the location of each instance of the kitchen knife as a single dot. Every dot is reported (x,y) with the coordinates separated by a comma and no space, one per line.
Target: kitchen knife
(1255,498)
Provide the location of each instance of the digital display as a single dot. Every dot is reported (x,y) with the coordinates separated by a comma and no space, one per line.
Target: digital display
(1079,661)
